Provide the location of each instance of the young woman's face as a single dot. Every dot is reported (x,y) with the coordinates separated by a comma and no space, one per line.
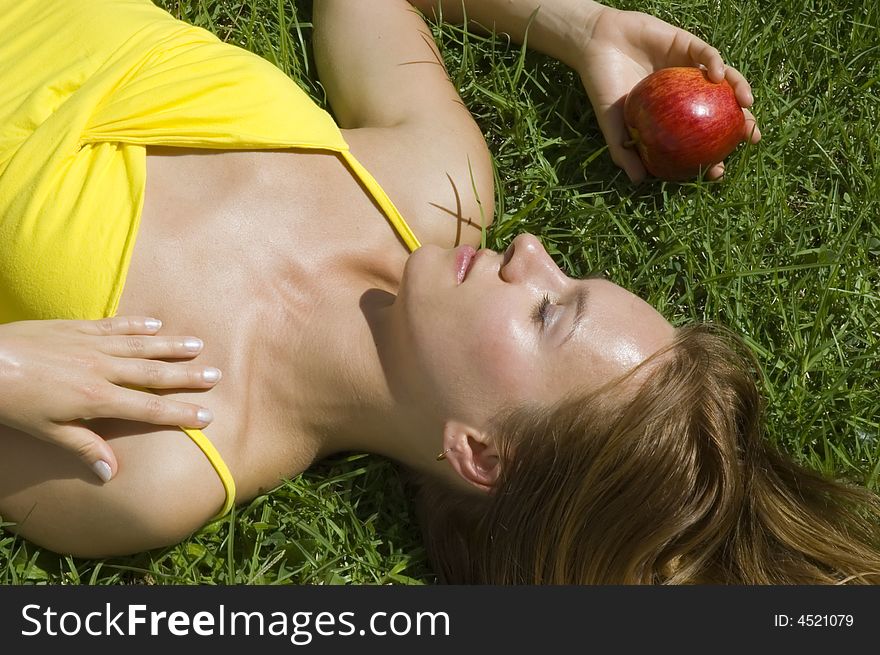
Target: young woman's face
(516,329)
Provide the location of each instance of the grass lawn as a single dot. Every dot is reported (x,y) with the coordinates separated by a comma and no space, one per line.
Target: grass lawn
(786,251)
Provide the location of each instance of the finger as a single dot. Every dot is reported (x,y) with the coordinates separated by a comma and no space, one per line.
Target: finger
(616,135)
(120,325)
(149,374)
(151,347)
(628,159)
(91,449)
(741,87)
(715,172)
(752,131)
(149,408)
(684,49)
(701,53)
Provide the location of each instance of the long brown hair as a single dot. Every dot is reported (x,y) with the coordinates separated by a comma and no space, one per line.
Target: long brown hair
(671,484)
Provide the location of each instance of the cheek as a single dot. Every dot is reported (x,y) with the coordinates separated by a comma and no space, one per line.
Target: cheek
(506,355)
(626,354)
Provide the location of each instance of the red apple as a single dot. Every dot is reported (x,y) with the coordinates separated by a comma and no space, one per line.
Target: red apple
(682,123)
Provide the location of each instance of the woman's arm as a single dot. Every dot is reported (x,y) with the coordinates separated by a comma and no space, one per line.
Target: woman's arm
(403,117)
(553,27)
(379,64)
(612,51)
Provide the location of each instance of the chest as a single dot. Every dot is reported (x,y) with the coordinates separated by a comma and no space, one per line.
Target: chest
(235,248)
(228,227)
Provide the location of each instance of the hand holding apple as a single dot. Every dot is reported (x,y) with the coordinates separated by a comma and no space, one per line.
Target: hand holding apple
(620,49)
(682,123)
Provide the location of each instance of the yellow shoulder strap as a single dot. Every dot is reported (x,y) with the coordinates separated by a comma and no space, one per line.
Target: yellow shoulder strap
(378,193)
(219,465)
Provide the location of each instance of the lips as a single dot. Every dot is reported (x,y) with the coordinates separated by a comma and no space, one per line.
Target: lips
(464,257)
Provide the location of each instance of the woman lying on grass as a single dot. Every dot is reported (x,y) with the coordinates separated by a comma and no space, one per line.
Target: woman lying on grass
(561,429)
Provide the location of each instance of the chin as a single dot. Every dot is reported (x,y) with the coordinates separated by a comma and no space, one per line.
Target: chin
(424,270)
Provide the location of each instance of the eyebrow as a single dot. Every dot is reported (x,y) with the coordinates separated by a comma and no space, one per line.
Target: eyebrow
(580,306)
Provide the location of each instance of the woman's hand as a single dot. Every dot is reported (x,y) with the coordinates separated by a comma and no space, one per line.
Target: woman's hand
(54,374)
(620,49)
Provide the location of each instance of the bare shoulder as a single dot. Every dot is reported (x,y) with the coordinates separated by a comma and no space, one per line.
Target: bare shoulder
(403,117)
(439,176)
(164,491)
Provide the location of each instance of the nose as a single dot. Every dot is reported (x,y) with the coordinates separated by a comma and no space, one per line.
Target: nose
(527,259)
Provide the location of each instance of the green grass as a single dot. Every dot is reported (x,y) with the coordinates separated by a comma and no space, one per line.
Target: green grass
(786,251)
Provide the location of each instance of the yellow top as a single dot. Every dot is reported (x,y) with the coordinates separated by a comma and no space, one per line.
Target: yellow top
(86,86)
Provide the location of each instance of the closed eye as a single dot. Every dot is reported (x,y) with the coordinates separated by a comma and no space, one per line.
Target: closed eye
(539,313)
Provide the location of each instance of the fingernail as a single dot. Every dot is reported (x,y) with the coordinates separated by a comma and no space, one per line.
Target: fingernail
(102,470)
(211,374)
(205,415)
(192,344)
(153,324)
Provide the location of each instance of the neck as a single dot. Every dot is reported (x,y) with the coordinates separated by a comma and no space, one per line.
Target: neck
(333,384)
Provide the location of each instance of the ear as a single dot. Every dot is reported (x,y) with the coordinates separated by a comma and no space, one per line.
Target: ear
(471,454)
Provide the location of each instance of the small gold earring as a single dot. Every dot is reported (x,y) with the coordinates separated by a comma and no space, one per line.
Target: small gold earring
(442,455)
